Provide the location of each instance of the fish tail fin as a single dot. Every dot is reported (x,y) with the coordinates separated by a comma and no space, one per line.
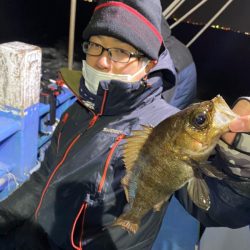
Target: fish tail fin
(127,224)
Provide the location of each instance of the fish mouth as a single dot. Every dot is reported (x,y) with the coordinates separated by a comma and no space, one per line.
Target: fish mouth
(223,115)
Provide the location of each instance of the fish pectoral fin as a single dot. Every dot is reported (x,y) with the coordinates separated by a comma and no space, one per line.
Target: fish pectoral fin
(211,171)
(199,193)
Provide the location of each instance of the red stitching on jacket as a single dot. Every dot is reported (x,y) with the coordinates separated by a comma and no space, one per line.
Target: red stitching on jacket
(64,120)
(84,206)
(117,141)
(54,172)
(82,210)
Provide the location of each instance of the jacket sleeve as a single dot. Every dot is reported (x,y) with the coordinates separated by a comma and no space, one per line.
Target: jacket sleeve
(230,197)
(21,204)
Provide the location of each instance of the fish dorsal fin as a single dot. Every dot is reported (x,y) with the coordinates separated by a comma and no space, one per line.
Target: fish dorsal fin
(199,193)
(131,149)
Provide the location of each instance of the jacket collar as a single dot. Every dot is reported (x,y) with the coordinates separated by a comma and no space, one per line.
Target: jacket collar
(121,96)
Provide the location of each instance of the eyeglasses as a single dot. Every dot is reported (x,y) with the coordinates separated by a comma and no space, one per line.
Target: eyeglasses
(115,54)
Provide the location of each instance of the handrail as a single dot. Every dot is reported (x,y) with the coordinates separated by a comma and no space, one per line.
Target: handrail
(209,22)
(72,26)
(174,9)
(170,7)
(188,13)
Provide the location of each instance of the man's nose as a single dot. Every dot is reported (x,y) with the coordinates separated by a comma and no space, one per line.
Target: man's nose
(104,60)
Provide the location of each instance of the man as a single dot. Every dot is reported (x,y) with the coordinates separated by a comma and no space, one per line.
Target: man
(76,194)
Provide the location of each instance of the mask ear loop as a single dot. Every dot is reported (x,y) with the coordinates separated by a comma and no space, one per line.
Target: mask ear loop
(144,81)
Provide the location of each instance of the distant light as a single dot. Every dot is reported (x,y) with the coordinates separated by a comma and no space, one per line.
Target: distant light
(215,26)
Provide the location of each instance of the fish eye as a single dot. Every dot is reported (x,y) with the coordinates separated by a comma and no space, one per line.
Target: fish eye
(200,120)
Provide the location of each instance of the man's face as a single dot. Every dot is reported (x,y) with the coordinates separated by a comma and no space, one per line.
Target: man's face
(105,64)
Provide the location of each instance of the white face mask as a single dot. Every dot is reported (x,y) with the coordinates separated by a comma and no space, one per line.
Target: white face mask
(93,77)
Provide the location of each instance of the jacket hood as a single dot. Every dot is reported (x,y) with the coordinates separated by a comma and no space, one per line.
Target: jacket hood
(164,69)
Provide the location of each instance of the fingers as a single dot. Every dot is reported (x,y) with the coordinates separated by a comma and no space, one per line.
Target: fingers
(241,124)
(242,107)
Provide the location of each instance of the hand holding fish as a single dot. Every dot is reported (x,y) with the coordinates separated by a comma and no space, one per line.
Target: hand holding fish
(241,123)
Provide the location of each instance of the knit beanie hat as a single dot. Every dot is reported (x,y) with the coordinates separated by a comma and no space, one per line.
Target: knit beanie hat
(137,22)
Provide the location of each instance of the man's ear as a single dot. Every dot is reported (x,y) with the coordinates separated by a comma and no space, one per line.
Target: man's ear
(150,65)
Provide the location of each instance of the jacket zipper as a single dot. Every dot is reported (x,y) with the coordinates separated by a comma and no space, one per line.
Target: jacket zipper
(96,116)
(82,210)
(111,152)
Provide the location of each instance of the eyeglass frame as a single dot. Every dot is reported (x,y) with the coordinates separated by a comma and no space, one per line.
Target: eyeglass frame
(130,54)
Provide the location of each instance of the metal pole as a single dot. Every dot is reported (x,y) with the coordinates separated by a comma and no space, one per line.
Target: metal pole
(170,7)
(188,13)
(210,22)
(174,9)
(72,33)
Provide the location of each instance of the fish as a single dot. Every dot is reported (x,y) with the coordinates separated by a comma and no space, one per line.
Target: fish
(162,159)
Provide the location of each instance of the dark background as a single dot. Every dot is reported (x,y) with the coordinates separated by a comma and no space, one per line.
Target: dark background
(234,16)
(222,57)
